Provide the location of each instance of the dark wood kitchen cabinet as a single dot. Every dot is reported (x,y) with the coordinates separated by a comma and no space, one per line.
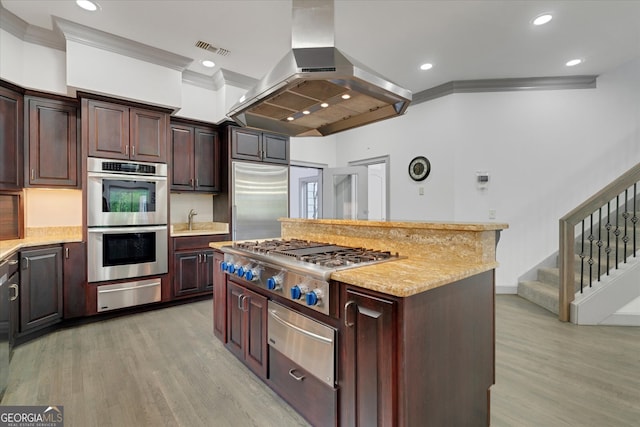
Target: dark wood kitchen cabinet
(248,144)
(75,279)
(11,137)
(370,364)
(192,264)
(426,359)
(195,154)
(40,288)
(52,157)
(219,298)
(122,132)
(247,327)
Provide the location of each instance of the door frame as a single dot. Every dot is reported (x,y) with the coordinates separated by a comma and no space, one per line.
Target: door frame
(386,159)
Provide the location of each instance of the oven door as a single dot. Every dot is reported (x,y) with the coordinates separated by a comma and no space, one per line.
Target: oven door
(121,199)
(126,252)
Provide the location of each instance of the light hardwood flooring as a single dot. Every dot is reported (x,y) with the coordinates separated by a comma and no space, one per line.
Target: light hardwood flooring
(164,368)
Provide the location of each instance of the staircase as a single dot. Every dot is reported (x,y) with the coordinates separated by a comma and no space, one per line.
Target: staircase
(545,290)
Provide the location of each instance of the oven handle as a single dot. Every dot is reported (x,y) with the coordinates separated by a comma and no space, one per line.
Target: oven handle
(299,329)
(136,229)
(127,177)
(133,288)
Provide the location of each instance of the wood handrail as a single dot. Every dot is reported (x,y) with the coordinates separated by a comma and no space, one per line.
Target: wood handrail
(567,234)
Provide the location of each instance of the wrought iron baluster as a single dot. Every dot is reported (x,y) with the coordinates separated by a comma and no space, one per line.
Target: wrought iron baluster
(608,227)
(590,261)
(634,218)
(599,243)
(625,215)
(616,232)
(581,259)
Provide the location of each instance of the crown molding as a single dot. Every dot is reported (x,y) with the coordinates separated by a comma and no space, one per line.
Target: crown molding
(30,33)
(199,80)
(238,80)
(504,85)
(110,42)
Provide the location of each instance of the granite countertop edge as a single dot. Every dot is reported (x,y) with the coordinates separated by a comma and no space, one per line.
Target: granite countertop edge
(9,247)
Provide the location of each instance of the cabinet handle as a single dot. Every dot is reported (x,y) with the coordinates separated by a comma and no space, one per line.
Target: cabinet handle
(197,182)
(191,182)
(346,314)
(26,263)
(240,302)
(126,150)
(33,174)
(244,298)
(13,262)
(66,253)
(295,377)
(14,287)
(133,150)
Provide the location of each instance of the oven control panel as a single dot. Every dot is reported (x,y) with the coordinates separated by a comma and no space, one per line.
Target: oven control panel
(300,288)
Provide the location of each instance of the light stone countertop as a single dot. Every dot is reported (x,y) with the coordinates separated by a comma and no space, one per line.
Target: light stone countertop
(181,229)
(40,236)
(433,254)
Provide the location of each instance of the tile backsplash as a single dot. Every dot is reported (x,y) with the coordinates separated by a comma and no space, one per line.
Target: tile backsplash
(181,203)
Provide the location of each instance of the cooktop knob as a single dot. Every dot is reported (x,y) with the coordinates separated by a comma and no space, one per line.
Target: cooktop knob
(298,291)
(223,266)
(251,274)
(274,283)
(240,271)
(231,268)
(312,298)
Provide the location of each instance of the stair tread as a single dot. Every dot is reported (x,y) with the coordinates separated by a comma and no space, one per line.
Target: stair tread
(540,293)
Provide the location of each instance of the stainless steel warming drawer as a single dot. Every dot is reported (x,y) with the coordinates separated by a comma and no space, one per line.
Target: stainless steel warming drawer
(305,341)
(120,295)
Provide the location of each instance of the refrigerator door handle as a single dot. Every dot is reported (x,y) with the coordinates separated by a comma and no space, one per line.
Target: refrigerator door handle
(234,214)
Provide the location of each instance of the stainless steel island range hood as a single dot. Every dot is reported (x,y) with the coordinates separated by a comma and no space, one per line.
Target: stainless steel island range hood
(317,90)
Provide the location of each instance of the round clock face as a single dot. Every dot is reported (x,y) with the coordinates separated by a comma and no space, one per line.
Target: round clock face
(419,168)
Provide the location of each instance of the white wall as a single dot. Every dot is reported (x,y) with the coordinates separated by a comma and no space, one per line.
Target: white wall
(198,104)
(11,57)
(545,151)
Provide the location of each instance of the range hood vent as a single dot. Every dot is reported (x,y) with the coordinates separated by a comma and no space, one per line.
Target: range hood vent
(316,89)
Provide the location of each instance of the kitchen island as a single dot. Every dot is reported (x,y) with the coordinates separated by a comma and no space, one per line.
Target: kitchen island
(414,336)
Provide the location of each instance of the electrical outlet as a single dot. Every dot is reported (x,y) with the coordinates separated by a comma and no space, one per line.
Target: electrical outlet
(421,191)
(492,214)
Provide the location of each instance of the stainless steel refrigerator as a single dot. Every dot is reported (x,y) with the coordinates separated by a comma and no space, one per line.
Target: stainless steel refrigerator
(259,196)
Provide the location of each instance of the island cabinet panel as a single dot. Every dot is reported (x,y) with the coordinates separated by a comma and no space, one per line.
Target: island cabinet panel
(247,327)
(53,155)
(40,288)
(219,298)
(426,359)
(369,366)
(11,139)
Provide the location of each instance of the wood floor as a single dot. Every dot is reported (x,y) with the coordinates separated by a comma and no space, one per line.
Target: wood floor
(164,368)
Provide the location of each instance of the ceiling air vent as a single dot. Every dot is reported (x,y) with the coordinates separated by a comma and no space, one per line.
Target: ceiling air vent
(207,46)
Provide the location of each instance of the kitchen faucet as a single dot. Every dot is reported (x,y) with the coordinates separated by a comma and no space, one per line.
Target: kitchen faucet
(192,213)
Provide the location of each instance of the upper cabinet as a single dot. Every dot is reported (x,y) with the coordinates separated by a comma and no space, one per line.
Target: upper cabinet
(122,132)
(195,154)
(11,139)
(249,144)
(52,156)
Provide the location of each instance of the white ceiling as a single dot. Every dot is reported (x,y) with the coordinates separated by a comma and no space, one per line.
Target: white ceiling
(465,40)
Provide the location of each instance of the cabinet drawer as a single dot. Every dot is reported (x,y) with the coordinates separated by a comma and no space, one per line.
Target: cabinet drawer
(313,399)
(197,242)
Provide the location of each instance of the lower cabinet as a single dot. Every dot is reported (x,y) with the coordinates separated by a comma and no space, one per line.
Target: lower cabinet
(368,387)
(75,279)
(193,272)
(40,288)
(247,327)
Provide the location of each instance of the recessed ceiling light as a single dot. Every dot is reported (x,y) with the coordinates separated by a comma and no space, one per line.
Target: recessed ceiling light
(87,5)
(573,62)
(208,64)
(306,112)
(346,96)
(542,19)
(324,105)
(426,66)
(289,118)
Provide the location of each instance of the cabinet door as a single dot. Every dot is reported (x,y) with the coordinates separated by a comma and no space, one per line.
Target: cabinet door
(52,143)
(246,144)
(275,149)
(235,323)
(205,273)
(40,288)
(148,136)
(75,279)
(207,160)
(369,396)
(255,353)
(185,278)
(108,129)
(182,138)
(219,298)
(11,139)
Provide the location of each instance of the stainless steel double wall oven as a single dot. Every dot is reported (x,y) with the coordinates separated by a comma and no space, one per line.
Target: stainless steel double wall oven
(127,229)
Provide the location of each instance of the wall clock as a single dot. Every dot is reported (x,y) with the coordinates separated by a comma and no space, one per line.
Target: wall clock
(419,168)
